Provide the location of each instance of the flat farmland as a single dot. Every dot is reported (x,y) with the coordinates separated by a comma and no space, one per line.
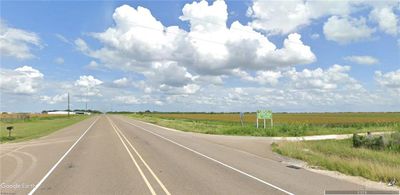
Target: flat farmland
(298,118)
(29,117)
(285,124)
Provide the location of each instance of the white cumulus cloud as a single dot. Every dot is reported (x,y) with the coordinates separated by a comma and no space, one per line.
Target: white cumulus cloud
(130,99)
(386,19)
(54,99)
(22,80)
(333,78)
(284,17)
(261,77)
(87,81)
(16,42)
(364,60)
(346,29)
(389,79)
(140,43)
(126,99)
(122,82)
(88,85)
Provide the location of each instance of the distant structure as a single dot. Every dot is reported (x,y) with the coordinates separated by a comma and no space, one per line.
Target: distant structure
(81,112)
(66,112)
(61,112)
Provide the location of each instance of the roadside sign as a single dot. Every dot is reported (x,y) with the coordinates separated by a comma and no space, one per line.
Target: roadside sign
(264,114)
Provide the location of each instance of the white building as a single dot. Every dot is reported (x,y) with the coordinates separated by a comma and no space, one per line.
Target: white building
(60,112)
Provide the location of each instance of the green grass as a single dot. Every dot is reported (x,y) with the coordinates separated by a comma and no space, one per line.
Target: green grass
(34,128)
(235,128)
(340,155)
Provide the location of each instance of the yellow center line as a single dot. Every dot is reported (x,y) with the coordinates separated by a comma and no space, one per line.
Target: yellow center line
(133,159)
(144,162)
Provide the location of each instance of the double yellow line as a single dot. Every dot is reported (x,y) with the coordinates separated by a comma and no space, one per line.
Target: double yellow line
(125,141)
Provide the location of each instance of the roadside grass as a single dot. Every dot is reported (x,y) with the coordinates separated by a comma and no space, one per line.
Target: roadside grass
(283,129)
(340,155)
(35,127)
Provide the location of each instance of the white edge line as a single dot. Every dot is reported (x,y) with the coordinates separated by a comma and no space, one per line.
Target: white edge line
(212,159)
(59,161)
(159,126)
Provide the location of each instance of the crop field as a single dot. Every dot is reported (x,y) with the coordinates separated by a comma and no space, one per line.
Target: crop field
(299,124)
(9,118)
(301,118)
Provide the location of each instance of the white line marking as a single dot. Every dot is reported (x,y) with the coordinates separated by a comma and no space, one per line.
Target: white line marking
(212,159)
(144,162)
(166,128)
(18,168)
(59,161)
(133,159)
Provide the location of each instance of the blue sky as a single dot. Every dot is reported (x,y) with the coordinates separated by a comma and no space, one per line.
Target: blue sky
(296,56)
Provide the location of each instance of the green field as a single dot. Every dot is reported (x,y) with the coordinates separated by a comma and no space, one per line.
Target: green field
(301,124)
(34,127)
(327,119)
(340,155)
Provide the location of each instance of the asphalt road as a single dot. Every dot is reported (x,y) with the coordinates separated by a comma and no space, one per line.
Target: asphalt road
(112,154)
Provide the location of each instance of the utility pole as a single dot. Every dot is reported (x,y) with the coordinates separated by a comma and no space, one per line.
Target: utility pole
(87,98)
(68,105)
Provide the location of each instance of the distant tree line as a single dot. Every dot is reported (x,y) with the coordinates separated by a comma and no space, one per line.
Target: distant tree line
(121,112)
(76,110)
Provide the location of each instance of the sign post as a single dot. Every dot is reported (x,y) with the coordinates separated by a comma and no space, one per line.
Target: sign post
(257,123)
(264,123)
(241,118)
(9,128)
(264,114)
(258,116)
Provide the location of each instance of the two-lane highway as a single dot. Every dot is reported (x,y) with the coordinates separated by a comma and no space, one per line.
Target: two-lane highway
(118,155)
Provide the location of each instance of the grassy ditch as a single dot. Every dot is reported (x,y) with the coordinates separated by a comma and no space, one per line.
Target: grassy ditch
(280,129)
(35,127)
(340,155)
(381,142)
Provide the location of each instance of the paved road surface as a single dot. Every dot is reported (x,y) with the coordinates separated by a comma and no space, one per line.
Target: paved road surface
(112,154)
